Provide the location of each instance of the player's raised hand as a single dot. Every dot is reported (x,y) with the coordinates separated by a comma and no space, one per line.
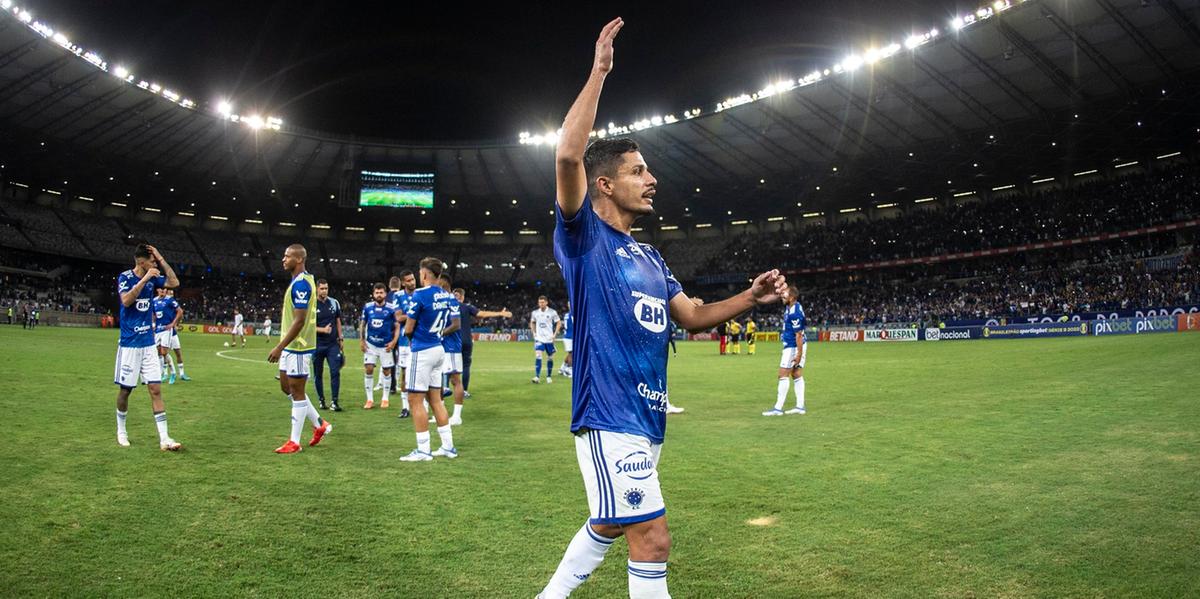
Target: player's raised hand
(151,273)
(505,313)
(604,45)
(768,287)
(154,253)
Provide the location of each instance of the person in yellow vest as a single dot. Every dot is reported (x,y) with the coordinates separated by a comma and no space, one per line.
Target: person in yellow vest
(296,345)
(751,329)
(735,332)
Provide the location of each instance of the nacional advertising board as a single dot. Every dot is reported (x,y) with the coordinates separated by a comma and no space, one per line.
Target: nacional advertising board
(1019,331)
(953,333)
(1134,326)
(908,334)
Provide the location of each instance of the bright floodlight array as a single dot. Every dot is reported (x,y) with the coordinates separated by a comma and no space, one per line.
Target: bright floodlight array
(225,110)
(847,65)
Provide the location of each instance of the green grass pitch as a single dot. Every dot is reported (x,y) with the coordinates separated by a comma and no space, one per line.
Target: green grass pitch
(1019,468)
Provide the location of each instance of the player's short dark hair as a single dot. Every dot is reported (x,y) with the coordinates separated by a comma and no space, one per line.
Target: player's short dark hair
(433,265)
(445,277)
(322,282)
(141,251)
(394,282)
(542,297)
(793,291)
(460,291)
(406,273)
(603,155)
(378,286)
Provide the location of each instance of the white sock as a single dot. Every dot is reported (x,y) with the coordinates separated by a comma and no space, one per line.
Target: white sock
(299,414)
(457,411)
(171,362)
(162,363)
(314,417)
(423,441)
(781,394)
(180,368)
(387,387)
(370,386)
(583,555)
(648,580)
(121,423)
(160,419)
(800,393)
(447,435)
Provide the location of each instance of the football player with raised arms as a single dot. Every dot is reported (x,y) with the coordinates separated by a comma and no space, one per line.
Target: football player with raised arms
(623,301)
(137,356)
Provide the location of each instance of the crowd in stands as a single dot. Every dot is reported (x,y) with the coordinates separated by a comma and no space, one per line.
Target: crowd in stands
(72,261)
(1097,207)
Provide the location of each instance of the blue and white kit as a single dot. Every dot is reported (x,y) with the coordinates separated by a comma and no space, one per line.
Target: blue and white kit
(620,291)
(379,322)
(793,322)
(452,344)
(165,309)
(543,330)
(400,301)
(568,332)
(136,352)
(430,308)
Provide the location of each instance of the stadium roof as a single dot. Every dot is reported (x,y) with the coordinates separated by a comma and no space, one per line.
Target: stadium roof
(1063,83)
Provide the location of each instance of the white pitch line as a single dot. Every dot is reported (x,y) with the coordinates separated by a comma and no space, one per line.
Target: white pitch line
(221,354)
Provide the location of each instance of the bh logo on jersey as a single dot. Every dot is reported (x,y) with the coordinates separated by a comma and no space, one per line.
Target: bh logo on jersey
(376,323)
(636,465)
(651,312)
(143,305)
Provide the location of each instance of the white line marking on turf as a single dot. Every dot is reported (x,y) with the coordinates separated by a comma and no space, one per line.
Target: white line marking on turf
(221,354)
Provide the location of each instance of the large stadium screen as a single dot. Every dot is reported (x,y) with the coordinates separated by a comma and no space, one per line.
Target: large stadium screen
(396,190)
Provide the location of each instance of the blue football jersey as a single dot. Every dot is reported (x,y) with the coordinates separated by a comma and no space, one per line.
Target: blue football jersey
(620,292)
(567,332)
(793,322)
(399,301)
(452,343)
(430,308)
(380,322)
(165,309)
(137,321)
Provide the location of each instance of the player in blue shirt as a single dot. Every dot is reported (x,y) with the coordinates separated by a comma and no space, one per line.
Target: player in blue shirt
(568,341)
(402,288)
(428,317)
(623,301)
(795,350)
(379,329)
(136,355)
(452,363)
(468,315)
(330,345)
(166,317)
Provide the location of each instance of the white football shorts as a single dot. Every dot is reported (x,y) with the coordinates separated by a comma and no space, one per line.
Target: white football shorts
(134,362)
(452,363)
(425,369)
(378,355)
(620,473)
(295,364)
(789,354)
(567,345)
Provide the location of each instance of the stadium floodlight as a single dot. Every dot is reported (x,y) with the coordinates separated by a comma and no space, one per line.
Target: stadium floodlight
(847,210)
(86,198)
(703,225)
(119,204)
(851,63)
(811,214)
(923,200)
(527,232)
(287,224)
(668,227)
(958,23)
(1165,156)
(6,4)
(151,209)
(1003,187)
(1087,172)
(52,191)
(459,232)
(355,229)
(423,231)
(224,108)
(889,205)
(254,121)
(254,221)
(216,217)
(492,232)
(320,226)
(964,194)
(188,214)
(740,222)
(775,219)
(25,17)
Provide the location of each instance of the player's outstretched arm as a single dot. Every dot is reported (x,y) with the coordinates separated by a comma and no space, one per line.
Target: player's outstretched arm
(767,288)
(492,314)
(568,167)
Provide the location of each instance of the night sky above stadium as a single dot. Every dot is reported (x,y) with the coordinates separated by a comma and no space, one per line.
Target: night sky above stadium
(439,71)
